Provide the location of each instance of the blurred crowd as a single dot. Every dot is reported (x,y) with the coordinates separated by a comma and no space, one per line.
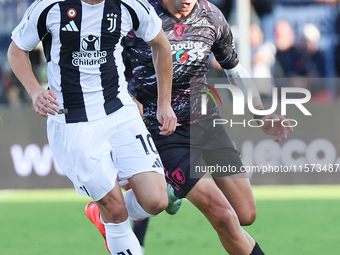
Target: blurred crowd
(300,49)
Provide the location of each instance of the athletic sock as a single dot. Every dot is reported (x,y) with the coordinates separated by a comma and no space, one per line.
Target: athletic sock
(135,210)
(139,227)
(121,239)
(257,250)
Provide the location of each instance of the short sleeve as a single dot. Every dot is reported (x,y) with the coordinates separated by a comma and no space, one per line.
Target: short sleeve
(149,23)
(26,35)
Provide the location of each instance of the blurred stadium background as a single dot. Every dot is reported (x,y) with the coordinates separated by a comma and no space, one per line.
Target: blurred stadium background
(282,43)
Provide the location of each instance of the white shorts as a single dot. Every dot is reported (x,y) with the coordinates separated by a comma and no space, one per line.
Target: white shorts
(95,154)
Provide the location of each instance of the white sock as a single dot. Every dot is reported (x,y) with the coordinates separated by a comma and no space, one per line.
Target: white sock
(135,210)
(121,239)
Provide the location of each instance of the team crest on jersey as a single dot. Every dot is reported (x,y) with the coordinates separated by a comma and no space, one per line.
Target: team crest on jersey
(71,13)
(112,18)
(179,30)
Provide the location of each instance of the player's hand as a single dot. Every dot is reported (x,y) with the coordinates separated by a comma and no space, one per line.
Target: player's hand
(167,117)
(140,107)
(44,102)
(272,126)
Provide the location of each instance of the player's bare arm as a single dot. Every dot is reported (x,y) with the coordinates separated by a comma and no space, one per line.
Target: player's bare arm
(162,61)
(44,101)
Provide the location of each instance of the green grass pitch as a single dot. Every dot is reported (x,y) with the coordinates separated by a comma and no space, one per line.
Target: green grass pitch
(294,220)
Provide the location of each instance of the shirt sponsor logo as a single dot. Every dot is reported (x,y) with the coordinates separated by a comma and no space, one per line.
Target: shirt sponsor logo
(90,43)
(190,51)
(91,54)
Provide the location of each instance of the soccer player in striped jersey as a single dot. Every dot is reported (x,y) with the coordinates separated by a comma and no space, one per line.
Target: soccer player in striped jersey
(94,128)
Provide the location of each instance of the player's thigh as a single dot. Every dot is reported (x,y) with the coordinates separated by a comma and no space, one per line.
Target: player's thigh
(237,189)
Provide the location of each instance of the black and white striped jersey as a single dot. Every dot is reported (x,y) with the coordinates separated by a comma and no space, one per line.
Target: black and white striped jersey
(82,45)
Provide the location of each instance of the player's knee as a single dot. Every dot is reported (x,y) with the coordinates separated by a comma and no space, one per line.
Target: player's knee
(226,220)
(226,217)
(160,206)
(155,205)
(113,212)
(248,217)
